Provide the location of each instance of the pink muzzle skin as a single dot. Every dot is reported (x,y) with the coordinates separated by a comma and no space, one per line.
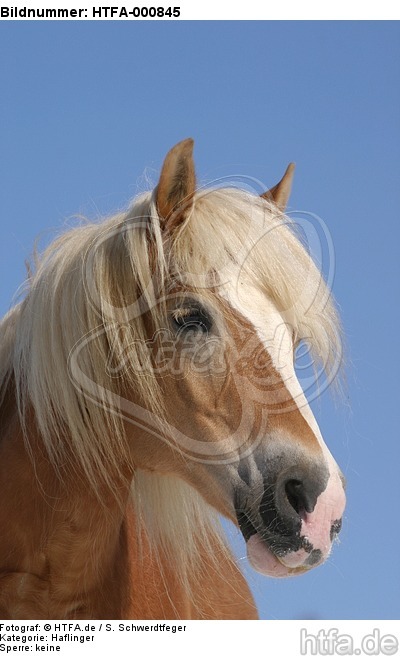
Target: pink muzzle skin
(318,530)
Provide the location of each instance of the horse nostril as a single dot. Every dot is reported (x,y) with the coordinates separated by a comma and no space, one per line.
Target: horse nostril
(295,493)
(300,496)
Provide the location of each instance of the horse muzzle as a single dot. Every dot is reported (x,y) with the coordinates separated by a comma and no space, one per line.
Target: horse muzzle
(293,527)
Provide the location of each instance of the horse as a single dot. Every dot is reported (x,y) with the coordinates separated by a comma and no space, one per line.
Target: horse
(147,388)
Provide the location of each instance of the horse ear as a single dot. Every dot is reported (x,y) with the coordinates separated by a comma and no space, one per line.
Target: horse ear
(177,184)
(281,192)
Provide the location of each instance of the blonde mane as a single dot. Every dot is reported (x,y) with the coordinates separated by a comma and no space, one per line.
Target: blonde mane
(108,279)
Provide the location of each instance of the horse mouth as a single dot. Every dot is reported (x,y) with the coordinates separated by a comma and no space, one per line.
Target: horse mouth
(277,555)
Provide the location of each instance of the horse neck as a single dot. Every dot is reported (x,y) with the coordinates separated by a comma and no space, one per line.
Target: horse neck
(67,555)
(62,544)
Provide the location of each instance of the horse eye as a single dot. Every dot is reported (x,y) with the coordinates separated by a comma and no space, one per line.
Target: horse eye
(191,319)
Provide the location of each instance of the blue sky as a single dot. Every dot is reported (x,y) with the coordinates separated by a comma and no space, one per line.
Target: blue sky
(88,111)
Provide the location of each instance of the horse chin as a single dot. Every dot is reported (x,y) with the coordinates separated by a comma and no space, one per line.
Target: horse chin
(264,561)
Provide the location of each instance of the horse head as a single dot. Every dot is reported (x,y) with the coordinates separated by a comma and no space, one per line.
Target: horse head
(237,294)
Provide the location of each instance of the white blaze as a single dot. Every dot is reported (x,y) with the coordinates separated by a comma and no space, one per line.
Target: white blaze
(276,335)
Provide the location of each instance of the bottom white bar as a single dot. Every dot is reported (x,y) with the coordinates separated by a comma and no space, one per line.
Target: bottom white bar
(275,638)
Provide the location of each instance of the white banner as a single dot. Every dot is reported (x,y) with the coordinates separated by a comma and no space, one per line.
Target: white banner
(278,638)
(190,10)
